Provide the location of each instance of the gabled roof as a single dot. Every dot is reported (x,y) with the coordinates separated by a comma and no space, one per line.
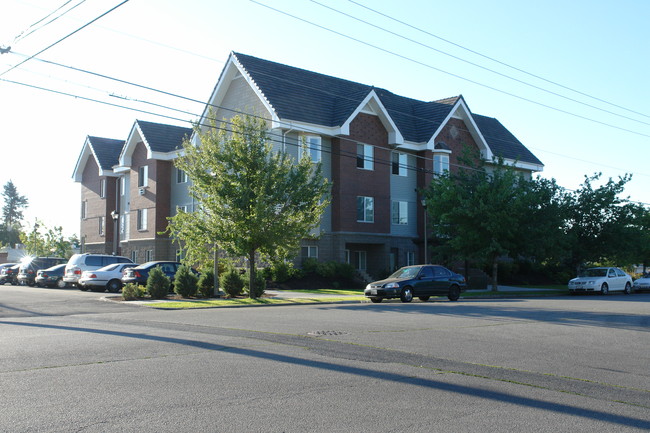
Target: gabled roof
(161,140)
(105,151)
(298,95)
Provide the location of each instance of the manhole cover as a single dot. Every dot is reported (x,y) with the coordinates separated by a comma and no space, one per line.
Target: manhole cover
(322,333)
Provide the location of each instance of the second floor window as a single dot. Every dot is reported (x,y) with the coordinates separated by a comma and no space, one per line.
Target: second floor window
(101,225)
(142,219)
(102,188)
(440,164)
(365,209)
(312,146)
(143,175)
(364,156)
(84,209)
(181,176)
(400,212)
(398,164)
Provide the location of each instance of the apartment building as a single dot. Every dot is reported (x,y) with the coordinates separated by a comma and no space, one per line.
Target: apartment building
(377,148)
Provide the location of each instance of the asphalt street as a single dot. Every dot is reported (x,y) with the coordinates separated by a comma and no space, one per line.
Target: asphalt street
(72,362)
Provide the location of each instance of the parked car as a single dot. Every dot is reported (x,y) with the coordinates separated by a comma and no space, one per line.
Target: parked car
(88,262)
(601,280)
(642,284)
(139,274)
(106,278)
(10,274)
(51,277)
(422,281)
(6,265)
(30,266)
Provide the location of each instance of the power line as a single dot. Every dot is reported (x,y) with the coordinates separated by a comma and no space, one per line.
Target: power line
(450,73)
(240,112)
(279,138)
(477,65)
(496,60)
(64,38)
(23,35)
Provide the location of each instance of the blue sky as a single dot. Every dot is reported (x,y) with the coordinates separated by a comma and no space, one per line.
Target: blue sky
(591,57)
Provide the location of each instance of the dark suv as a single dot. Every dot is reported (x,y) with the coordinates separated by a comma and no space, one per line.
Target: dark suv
(29,268)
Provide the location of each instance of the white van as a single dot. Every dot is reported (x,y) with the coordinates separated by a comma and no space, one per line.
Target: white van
(88,262)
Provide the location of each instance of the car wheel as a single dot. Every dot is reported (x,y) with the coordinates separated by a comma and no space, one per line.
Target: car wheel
(376,300)
(604,289)
(628,288)
(406,295)
(424,298)
(454,293)
(114,286)
(61,284)
(82,288)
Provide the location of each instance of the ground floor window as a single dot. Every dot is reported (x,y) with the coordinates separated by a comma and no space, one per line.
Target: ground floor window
(134,256)
(309,252)
(410,258)
(148,256)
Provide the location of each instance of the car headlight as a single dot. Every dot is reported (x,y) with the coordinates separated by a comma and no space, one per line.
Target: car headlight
(391,286)
(591,282)
(368,287)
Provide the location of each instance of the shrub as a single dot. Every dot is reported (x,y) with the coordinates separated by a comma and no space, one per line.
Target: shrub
(206,283)
(231,283)
(259,281)
(280,272)
(333,269)
(158,283)
(185,282)
(309,265)
(132,291)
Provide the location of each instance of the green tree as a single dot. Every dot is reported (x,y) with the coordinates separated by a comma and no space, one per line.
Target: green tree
(44,241)
(600,222)
(252,198)
(12,214)
(481,213)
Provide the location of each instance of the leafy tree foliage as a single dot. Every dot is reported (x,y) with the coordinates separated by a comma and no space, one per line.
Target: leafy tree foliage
(12,214)
(600,224)
(252,198)
(44,241)
(481,213)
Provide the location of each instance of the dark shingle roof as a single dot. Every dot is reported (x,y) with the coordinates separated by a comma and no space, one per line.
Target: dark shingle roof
(106,150)
(163,138)
(502,142)
(305,96)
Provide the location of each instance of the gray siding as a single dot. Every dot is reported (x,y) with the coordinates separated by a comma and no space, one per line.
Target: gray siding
(402,188)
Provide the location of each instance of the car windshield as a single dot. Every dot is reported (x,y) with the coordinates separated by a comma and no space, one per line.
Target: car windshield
(410,272)
(596,272)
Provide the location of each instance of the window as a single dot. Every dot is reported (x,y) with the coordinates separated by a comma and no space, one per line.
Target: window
(143,175)
(309,251)
(440,163)
(148,256)
(410,258)
(364,156)
(181,176)
(134,256)
(142,219)
(84,209)
(399,163)
(399,212)
(181,208)
(102,188)
(312,145)
(122,185)
(101,225)
(365,209)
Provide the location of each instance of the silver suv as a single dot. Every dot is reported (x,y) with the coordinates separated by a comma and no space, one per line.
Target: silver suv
(88,262)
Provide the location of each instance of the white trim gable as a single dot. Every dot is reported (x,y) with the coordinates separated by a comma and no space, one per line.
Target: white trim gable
(461,111)
(234,70)
(372,105)
(86,152)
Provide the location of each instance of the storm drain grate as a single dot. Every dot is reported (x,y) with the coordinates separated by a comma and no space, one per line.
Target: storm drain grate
(323,333)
